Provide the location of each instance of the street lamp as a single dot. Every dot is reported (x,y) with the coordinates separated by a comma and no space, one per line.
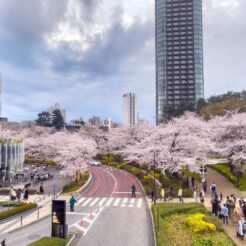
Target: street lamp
(154,176)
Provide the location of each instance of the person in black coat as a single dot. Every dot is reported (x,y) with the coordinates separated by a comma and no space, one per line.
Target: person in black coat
(26,194)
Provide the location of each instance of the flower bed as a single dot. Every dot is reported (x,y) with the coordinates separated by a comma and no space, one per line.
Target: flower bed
(75,185)
(187,225)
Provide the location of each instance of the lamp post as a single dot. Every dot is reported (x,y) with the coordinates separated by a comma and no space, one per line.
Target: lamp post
(154,176)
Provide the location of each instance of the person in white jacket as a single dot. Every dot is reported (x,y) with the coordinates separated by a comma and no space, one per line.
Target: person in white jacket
(180,195)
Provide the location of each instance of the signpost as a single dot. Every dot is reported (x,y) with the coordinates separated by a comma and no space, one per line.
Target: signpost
(59,227)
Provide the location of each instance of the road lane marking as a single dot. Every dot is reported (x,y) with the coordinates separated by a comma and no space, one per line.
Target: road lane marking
(109,202)
(94,202)
(124,202)
(102,201)
(81,228)
(132,202)
(140,202)
(76,213)
(87,202)
(116,203)
(125,192)
(80,200)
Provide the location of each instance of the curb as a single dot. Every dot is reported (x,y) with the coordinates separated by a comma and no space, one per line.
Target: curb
(71,239)
(81,189)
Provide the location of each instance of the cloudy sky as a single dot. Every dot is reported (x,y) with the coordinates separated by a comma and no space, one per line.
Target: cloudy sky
(84,54)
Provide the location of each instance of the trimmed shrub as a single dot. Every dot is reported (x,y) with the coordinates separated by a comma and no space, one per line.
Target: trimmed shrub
(17,210)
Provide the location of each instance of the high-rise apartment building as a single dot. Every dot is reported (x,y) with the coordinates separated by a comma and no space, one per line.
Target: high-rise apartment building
(179,54)
(129,109)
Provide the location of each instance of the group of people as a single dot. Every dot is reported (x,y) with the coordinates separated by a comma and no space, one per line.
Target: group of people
(17,195)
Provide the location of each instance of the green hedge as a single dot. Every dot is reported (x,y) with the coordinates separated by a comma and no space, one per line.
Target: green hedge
(16,210)
(5,191)
(41,162)
(50,241)
(74,186)
(10,203)
(170,227)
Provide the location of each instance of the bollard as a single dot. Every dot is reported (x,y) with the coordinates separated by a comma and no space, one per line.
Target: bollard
(21,221)
(90,215)
(81,222)
(38,214)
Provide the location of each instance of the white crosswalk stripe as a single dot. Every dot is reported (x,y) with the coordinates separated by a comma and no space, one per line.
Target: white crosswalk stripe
(117,201)
(87,202)
(111,202)
(94,202)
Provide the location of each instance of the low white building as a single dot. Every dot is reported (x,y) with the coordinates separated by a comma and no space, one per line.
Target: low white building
(12,156)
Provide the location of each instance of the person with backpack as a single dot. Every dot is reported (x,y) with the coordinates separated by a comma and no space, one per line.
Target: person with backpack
(72,202)
(229,205)
(213,188)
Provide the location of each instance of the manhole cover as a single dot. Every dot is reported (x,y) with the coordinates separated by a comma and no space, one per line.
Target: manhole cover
(34,236)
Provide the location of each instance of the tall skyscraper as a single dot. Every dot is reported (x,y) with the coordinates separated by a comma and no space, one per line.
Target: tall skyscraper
(129,109)
(179,54)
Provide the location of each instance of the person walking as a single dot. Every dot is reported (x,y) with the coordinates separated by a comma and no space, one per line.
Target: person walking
(205,185)
(162,194)
(244,209)
(225,213)
(194,195)
(180,195)
(72,202)
(18,195)
(202,196)
(192,182)
(133,190)
(229,205)
(41,189)
(152,196)
(221,196)
(26,193)
(213,188)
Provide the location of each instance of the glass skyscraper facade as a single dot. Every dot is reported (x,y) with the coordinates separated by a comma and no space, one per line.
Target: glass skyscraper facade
(179,54)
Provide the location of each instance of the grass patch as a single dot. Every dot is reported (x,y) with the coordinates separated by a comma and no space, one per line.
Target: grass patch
(225,170)
(51,241)
(171,226)
(75,185)
(23,207)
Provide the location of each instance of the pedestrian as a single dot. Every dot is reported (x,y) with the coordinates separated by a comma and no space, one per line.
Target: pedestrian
(229,205)
(221,196)
(213,188)
(194,195)
(193,182)
(72,202)
(133,190)
(18,194)
(152,196)
(205,185)
(202,196)
(244,209)
(180,195)
(170,193)
(162,194)
(41,189)
(216,206)
(240,228)
(241,202)
(225,214)
(12,194)
(26,193)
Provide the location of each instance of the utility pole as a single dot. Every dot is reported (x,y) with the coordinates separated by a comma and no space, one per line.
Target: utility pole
(154,177)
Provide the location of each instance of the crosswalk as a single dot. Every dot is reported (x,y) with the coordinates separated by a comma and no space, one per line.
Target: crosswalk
(110,202)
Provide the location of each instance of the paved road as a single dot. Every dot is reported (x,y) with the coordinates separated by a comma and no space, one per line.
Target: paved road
(104,215)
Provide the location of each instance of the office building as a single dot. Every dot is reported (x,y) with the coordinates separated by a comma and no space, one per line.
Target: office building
(11,157)
(179,54)
(129,109)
